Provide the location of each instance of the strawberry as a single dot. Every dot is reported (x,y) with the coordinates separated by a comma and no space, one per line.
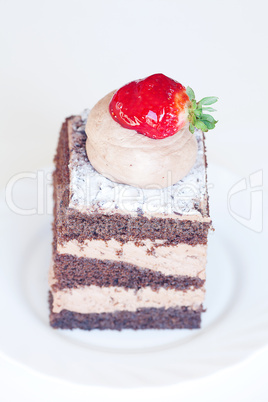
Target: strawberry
(159,107)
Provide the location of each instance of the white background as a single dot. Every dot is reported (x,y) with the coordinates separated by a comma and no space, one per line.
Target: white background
(59,57)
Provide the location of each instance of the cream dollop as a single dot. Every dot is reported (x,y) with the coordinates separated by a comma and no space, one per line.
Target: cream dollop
(125,156)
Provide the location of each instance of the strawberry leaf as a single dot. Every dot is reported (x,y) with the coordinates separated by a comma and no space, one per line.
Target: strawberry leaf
(202,126)
(209,109)
(190,93)
(209,100)
(209,125)
(198,112)
(191,128)
(208,117)
(197,117)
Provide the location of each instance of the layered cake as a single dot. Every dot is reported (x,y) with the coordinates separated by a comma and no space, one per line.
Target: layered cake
(131,212)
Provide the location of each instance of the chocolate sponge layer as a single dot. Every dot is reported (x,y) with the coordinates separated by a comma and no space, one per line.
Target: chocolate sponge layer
(72,272)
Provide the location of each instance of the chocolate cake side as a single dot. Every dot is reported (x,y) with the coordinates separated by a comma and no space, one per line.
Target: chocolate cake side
(163,232)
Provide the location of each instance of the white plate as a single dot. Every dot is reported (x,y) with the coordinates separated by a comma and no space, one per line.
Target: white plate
(234,326)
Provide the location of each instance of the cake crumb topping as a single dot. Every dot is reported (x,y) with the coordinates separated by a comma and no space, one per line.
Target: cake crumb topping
(91,191)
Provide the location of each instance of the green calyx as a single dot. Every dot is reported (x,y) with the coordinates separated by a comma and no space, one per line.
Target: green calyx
(198,116)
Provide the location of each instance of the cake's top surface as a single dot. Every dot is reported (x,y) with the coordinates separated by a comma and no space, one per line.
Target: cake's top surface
(91,191)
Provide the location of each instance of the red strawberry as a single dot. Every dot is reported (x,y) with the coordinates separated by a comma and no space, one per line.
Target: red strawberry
(159,107)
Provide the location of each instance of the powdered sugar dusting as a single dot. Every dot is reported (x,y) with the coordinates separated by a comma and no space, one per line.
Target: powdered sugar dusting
(91,191)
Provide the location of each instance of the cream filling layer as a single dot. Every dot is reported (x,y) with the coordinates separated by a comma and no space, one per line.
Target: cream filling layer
(94,299)
(181,259)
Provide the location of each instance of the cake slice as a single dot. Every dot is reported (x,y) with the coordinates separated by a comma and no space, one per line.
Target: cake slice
(124,256)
